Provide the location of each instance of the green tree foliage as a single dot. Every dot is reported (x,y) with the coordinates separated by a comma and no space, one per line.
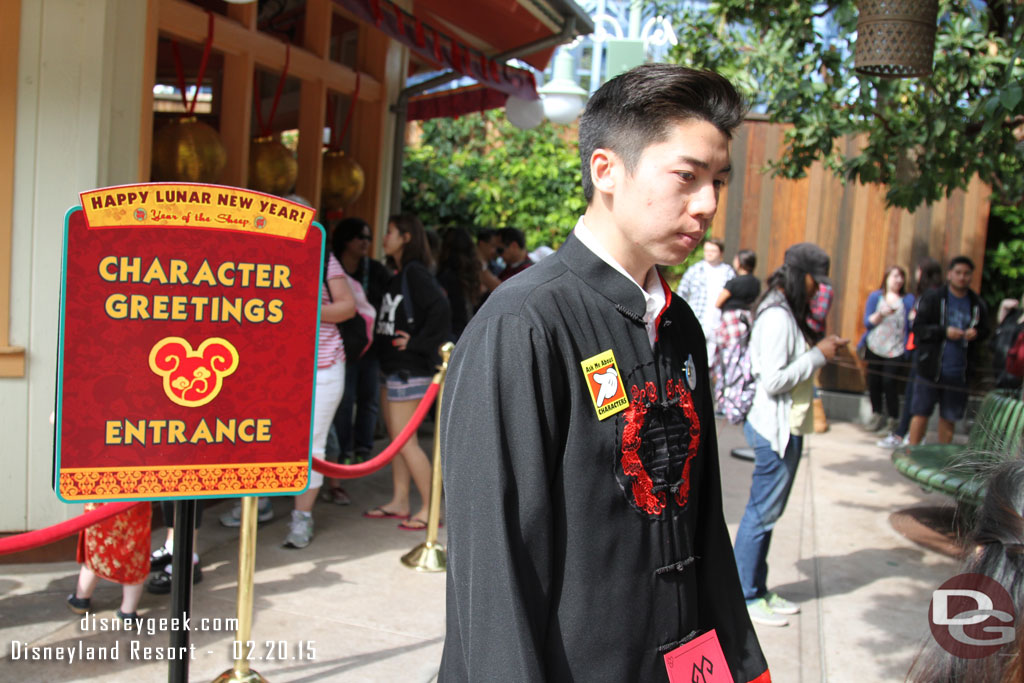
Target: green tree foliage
(480,170)
(922,137)
(1004,262)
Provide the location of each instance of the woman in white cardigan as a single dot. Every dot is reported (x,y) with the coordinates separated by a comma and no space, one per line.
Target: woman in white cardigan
(784,353)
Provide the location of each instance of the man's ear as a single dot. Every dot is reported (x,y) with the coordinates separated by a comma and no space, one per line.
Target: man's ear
(605,168)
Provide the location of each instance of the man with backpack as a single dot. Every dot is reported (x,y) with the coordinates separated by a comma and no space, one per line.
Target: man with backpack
(950,324)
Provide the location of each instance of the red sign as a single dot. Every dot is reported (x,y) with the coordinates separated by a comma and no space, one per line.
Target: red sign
(188,333)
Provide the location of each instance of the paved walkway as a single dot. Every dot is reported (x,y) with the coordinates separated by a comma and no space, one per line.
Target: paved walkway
(353,612)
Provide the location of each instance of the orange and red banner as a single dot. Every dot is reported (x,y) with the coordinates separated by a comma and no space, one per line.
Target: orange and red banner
(187,352)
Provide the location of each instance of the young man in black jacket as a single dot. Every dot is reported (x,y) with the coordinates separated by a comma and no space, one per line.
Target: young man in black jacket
(584,503)
(951,322)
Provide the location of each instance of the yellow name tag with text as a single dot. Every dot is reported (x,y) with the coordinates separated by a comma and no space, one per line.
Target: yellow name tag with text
(605,384)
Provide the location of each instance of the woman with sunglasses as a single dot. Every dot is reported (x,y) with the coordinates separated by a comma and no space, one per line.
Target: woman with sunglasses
(351,245)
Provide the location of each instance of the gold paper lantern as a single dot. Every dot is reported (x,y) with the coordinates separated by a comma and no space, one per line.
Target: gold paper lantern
(187,150)
(343,181)
(272,167)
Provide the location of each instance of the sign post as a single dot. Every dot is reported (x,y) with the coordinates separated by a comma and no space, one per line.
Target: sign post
(187,352)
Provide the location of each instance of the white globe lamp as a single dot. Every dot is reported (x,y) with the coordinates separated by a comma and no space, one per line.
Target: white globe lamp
(524,114)
(563,98)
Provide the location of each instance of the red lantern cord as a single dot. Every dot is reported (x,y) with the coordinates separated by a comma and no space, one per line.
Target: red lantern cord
(190,107)
(336,137)
(265,128)
(437,48)
(421,40)
(399,18)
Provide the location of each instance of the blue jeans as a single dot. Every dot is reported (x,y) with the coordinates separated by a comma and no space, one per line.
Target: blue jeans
(362,377)
(769,491)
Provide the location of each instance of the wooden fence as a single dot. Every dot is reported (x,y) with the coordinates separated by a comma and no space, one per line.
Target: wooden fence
(851,222)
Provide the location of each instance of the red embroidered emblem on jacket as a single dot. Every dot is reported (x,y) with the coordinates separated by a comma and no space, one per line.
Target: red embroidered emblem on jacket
(637,426)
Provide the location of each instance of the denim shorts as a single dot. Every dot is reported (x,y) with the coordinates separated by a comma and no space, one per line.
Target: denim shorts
(949,393)
(405,388)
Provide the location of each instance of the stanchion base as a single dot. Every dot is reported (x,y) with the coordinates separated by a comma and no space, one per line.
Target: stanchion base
(233,676)
(426,557)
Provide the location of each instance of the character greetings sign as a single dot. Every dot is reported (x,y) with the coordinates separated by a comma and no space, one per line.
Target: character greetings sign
(188,339)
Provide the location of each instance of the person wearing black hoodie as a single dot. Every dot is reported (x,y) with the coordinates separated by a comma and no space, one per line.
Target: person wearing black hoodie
(951,322)
(413,321)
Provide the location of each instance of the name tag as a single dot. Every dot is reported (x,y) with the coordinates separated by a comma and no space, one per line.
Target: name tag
(699,661)
(605,384)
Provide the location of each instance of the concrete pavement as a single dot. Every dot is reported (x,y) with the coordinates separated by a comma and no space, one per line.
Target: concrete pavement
(345,609)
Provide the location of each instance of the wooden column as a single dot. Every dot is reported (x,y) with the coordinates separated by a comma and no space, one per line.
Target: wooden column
(371,131)
(236,103)
(313,102)
(148,81)
(12,359)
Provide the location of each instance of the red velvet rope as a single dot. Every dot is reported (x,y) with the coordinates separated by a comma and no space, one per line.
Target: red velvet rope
(375,463)
(190,107)
(44,536)
(41,537)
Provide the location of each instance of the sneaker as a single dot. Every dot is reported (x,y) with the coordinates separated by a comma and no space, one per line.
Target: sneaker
(300,530)
(781,605)
(761,613)
(234,518)
(78,605)
(160,558)
(891,441)
(890,425)
(159,583)
(875,422)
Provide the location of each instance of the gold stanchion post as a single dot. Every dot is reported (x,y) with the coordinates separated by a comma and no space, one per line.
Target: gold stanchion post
(241,673)
(429,556)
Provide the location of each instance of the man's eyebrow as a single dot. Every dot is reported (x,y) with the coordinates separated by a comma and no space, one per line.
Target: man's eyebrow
(700,163)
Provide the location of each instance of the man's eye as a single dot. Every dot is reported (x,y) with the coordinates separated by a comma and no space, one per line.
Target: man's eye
(685,175)
(719,184)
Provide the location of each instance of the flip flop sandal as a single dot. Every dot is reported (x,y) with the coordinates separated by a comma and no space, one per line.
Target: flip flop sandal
(380,513)
(414,525)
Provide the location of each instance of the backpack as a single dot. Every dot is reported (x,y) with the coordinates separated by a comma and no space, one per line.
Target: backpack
(1000,344)
(1015,357)
(734,390)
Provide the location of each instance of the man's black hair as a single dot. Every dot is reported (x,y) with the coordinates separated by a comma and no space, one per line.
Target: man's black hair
(636,109)
(509,235)
(484,235)
(958,260)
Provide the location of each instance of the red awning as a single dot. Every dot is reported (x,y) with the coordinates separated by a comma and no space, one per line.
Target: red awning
(501,24)
(431,42)
(454,103)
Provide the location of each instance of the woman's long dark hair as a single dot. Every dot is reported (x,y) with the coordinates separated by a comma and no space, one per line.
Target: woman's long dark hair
(791,281)
(417,248)
(996,550)
(458,254)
